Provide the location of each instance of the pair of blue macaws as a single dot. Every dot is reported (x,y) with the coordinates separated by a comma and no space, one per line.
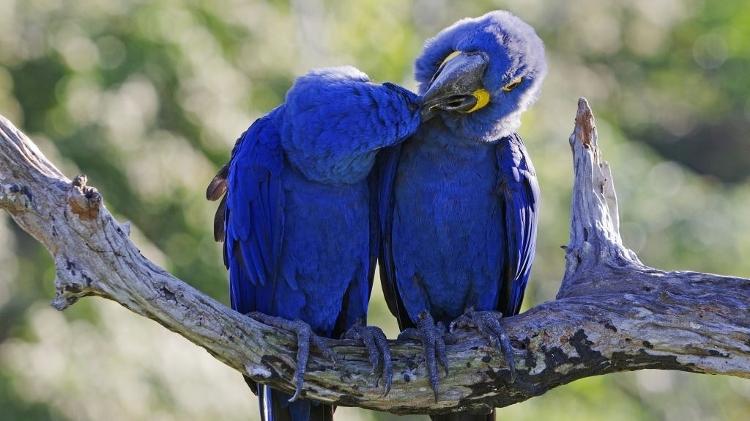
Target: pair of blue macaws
(437,187)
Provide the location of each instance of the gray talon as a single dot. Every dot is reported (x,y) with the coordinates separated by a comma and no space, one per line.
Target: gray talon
(385,351)
(305,337)
(377,349)
(433,343)
(322,345)
(489,325)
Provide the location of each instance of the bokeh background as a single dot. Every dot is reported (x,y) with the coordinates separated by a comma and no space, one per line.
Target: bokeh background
(147,97)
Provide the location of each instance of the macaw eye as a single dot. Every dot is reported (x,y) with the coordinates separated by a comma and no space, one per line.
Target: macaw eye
(513,83)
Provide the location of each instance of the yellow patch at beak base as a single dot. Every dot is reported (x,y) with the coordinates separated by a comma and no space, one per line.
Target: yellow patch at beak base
(483,98)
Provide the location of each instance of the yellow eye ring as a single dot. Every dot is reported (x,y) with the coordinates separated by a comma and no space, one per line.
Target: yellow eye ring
(513,84)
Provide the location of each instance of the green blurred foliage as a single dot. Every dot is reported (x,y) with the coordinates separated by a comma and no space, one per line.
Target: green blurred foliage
(147,97)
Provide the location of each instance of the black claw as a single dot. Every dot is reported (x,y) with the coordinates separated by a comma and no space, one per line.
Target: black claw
(377,349)
(305,337)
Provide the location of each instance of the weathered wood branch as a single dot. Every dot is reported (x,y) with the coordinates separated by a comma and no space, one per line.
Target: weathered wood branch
(612,313)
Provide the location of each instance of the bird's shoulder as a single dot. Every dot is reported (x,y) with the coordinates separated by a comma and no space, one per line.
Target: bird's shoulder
(512,153)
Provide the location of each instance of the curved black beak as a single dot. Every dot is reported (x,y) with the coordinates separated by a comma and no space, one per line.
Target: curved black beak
(452,87)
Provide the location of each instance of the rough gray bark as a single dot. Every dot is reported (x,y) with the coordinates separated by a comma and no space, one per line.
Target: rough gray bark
(612,313)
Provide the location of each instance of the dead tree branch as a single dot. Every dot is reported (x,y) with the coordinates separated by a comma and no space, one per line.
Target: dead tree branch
(612,313)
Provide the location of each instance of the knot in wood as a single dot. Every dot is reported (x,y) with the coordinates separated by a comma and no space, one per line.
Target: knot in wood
(83,200)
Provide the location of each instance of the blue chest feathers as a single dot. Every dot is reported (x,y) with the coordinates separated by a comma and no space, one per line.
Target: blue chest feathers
(325,251)
(448,231)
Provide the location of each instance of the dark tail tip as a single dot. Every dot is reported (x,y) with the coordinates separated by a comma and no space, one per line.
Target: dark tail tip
(218,186)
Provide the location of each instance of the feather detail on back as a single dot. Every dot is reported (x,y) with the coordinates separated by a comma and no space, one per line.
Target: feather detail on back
(519,190)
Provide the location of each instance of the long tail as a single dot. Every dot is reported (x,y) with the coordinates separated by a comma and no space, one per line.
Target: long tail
(274,406)
(465,416)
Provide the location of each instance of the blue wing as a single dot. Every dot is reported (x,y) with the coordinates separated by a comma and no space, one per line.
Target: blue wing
(254,216)
(384,174)
(519,192)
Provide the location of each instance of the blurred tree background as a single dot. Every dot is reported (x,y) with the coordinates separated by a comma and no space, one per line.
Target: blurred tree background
(146,97)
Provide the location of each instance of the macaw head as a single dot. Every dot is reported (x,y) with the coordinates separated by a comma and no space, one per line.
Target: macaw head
(480,74)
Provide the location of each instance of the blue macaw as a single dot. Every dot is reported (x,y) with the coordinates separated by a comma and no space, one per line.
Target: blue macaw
(300,237)
(458,202)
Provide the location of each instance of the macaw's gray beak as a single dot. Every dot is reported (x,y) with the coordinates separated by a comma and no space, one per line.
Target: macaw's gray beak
(454,85)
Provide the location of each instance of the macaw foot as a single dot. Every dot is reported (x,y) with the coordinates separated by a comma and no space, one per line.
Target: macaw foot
(489,325)
(432,337)
(305,338)
(377,349)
